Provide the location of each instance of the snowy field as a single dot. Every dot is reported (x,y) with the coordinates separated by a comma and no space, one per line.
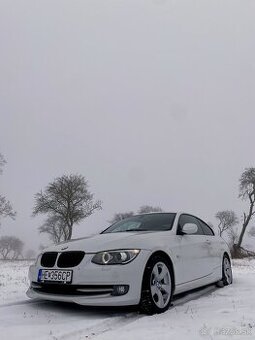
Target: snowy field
(208,313)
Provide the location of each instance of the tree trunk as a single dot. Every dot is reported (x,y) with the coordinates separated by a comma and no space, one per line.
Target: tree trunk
(245,224)
(242,235)
(70,232)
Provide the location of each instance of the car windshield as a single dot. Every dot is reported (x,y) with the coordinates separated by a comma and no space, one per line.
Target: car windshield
(148,222)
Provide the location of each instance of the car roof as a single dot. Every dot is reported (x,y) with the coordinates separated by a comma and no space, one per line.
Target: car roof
(162,212)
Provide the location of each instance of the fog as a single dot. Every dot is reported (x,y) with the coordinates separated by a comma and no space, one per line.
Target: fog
(152,101)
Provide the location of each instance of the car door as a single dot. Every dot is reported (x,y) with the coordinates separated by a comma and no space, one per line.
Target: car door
(193,251)
(213,246)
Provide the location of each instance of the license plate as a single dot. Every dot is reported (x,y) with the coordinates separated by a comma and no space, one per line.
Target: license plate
(55,275)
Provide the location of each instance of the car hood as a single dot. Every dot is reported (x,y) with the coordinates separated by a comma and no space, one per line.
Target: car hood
(108,241)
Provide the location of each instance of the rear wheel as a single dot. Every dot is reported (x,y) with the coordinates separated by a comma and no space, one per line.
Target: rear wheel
(227,277)
(157,286)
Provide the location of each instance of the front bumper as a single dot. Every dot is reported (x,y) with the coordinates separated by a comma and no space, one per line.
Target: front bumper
(93,275)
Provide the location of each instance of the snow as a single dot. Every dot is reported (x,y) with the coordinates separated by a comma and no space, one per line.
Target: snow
(13,280)
(207,313)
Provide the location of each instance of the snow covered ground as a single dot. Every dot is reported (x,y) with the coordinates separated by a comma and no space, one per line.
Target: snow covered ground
(208,313)
(13,280)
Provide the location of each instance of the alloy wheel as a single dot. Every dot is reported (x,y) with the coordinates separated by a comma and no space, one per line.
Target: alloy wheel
(227,270)
(160,285)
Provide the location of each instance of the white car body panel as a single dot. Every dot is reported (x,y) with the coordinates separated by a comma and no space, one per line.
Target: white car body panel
(196,260)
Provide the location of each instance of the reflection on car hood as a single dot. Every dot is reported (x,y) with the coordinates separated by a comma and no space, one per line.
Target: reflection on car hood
(107,241)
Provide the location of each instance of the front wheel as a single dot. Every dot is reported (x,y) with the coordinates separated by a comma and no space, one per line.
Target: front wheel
(157,286)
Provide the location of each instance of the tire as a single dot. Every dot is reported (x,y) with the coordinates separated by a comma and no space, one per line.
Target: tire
(227,276)
(157,286)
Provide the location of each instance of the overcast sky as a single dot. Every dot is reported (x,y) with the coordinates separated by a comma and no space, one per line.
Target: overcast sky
(152,101)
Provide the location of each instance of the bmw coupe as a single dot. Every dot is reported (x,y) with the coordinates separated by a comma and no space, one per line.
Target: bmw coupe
(143,260)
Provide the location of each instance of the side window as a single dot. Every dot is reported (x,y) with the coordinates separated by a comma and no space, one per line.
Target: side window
(206,229)
(190,219)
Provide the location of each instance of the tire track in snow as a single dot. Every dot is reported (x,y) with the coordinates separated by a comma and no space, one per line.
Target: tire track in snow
(121,321)
(113,321)
(183,298)
(102,327)
(22,302)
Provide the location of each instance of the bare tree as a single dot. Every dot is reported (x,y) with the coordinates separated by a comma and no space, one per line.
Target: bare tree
(121,216)
(6,209)
(55,228)
(5,246)
(68,201)
(10,247)
(247,192)
(232,238)
(145,209)
(227,219)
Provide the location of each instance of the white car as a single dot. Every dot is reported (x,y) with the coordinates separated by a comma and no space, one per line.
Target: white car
(142,260)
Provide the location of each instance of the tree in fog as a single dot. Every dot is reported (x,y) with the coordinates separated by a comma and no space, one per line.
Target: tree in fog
(5,246)
(66,201)
(226,219)
(11,247)
(211,225)
(55,228)
(252,232)
(232,239)
(2,162)
(121,216)
(146,209)
(42,247)
(6,209)
(30,254)
(247,193)
(17,246)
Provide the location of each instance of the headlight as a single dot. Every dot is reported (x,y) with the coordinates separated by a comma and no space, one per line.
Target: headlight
(115,256)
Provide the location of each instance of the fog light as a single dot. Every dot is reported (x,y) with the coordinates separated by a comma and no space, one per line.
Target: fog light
(120,290)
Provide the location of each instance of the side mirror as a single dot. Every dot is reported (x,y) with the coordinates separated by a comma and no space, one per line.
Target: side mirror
(189,228)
